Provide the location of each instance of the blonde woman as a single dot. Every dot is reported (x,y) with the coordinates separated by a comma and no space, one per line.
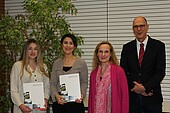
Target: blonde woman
(29,69)
(108,85)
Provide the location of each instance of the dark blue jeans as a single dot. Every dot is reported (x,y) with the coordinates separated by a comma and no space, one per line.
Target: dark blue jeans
(140,106)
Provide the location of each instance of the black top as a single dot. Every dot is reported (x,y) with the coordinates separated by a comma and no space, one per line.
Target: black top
(66,68)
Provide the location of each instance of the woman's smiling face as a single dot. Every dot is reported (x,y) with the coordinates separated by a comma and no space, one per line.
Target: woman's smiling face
(104,53)
(32,51)
(68,46)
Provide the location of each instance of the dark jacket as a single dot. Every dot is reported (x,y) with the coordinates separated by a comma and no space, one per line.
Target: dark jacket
(151,72)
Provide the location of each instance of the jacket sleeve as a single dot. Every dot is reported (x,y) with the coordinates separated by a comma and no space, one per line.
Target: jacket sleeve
(14,85)
(159,68)
(91,100)
(46,85)
(54,82)
(124,92)
(84,79)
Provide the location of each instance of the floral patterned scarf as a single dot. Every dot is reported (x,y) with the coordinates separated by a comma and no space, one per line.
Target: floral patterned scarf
(103,91)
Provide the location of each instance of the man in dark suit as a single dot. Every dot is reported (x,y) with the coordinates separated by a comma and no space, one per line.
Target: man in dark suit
(144,76)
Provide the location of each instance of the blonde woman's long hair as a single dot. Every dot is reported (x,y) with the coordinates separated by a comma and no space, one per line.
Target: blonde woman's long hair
(25,60)
(113,58)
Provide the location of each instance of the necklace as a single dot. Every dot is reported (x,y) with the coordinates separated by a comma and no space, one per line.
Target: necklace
(103,70)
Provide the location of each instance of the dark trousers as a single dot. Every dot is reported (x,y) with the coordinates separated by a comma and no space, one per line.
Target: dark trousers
(70,107)
(140,106)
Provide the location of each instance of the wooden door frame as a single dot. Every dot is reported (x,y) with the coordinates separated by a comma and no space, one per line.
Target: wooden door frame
(2,6)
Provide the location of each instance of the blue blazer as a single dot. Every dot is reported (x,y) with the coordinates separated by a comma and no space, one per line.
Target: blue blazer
(150,73)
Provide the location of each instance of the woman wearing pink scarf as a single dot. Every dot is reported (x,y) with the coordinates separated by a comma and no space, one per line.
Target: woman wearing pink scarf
(108,85)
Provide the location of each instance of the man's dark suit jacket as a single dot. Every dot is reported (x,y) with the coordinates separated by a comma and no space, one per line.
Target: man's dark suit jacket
(152,69)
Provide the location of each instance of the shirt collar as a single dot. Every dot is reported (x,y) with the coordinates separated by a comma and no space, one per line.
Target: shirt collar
(144,42)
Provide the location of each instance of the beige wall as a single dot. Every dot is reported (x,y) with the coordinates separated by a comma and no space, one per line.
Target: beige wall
(166,106)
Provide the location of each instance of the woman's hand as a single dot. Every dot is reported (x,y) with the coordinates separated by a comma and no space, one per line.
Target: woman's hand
(79,100)
(25,109)
(45,105)
(60,99)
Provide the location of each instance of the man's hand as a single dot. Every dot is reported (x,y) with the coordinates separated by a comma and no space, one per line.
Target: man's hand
(138,88)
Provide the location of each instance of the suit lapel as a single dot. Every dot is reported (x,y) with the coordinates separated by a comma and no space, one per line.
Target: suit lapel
(135,56)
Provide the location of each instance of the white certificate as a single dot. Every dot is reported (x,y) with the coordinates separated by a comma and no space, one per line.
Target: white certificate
(70,87)
(34,95)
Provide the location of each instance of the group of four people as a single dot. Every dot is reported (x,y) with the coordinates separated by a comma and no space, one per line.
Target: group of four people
(129,88)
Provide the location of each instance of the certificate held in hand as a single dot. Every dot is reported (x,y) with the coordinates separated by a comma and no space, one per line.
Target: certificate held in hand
(70,87)
(34,95)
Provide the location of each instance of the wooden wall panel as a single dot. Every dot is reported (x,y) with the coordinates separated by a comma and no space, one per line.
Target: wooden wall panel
(2,6)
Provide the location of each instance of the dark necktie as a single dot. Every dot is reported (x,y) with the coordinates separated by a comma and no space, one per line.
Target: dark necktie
(141,53)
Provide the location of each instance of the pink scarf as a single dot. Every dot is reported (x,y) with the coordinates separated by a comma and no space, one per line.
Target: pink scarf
(103,92)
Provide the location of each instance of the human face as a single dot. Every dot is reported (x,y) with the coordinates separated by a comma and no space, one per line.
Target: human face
(104,53)
(68,46)
(140,28)
(32,51)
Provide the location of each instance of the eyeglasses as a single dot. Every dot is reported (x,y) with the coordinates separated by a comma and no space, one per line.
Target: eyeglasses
(138,26)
